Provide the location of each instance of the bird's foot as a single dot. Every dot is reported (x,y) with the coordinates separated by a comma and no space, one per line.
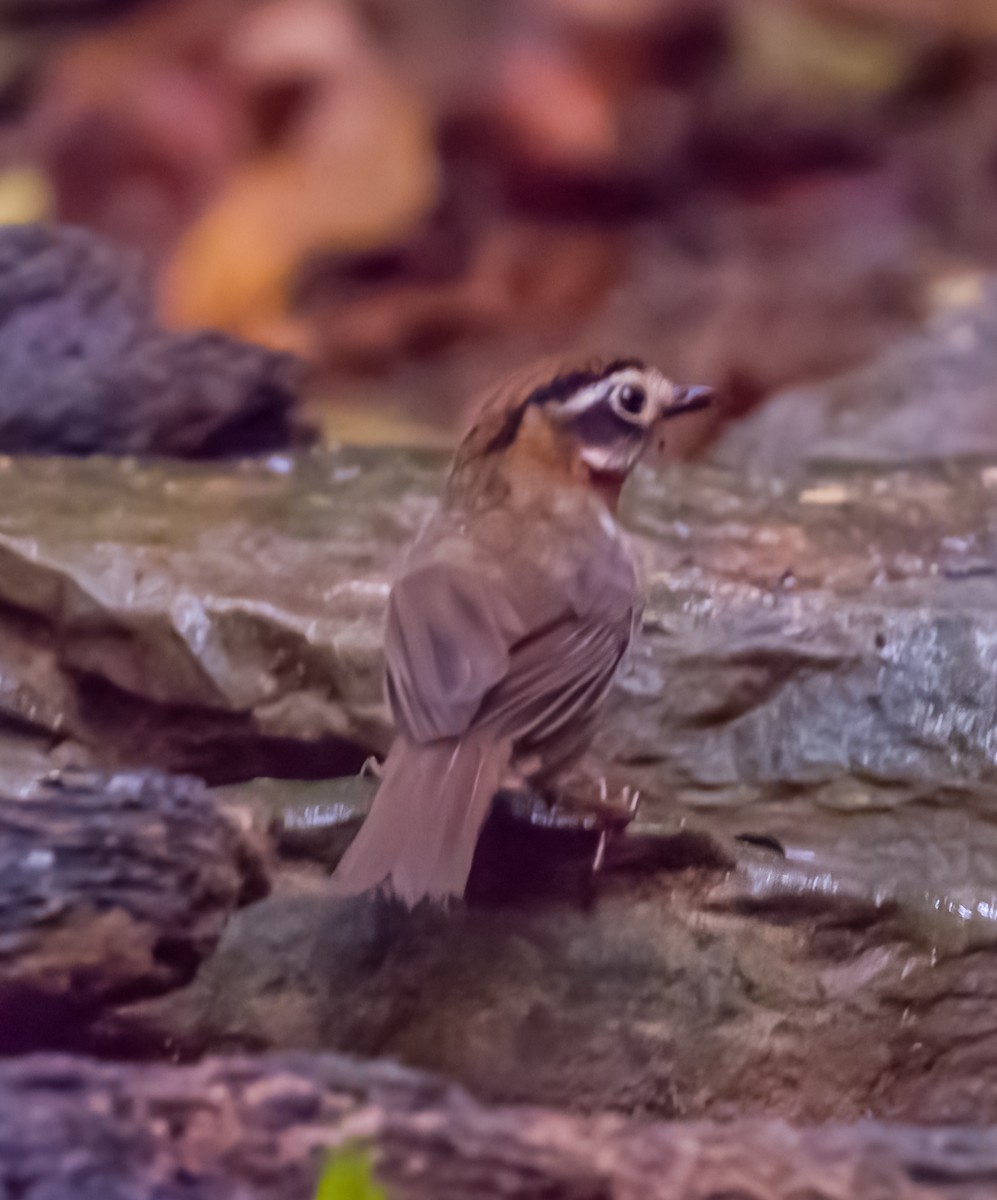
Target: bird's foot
(600,851)
(607,815)
(615,811)
(612,816)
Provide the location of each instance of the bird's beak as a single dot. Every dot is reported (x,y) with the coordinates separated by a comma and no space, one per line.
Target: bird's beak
(687,400)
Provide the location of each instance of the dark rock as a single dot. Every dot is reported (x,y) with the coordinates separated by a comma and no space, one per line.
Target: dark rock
(28,14)
(110,888)
(260,1129)
(928,397)
(629,1001)
(528,848)
(85,369)
(311,821)
(669,992)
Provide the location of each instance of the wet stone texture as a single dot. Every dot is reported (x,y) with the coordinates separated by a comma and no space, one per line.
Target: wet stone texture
(110,888)
(801,923)
(137,629)
(259,1129)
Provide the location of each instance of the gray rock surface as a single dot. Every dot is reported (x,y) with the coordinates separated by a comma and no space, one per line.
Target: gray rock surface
(928,397)
(85,368)
(222,621)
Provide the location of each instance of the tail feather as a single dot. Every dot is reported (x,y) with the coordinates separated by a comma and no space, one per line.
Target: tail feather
(418,840)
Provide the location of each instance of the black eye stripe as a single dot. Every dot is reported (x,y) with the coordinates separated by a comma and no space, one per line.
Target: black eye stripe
(600,425)
(563,387)
(559,389)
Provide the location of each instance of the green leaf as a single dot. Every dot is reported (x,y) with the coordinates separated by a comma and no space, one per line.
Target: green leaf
(347,1175)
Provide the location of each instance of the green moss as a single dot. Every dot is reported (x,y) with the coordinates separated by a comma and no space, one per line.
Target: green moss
(347,1175)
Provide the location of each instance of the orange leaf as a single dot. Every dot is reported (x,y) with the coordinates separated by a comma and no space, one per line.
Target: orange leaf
(355,169)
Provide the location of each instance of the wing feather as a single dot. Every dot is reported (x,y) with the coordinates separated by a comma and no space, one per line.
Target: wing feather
(446,647)
(555,677)
(460,651)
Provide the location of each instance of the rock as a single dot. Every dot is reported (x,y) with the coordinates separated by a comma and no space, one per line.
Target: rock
(801,922)
(237,644)
(110,888)
(84,368)
(817,636)
(828,636)
(927,398)
(259,1128)
(629,1001)
(309,821)
(665,991)
(28,13)
(810,706)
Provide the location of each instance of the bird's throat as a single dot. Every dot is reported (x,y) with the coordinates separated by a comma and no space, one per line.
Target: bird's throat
(541,451)
(608,484)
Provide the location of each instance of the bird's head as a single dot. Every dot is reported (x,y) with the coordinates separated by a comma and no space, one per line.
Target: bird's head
(597,419)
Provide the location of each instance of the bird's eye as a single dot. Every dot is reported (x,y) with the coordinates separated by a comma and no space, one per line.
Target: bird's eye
(631,399)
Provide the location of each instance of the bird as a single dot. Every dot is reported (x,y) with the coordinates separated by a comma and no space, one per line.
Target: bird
(510,617)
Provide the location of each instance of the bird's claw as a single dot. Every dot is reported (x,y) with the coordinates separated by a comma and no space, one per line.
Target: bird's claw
(371,768)
(600,853)
(621,810)
(611,816)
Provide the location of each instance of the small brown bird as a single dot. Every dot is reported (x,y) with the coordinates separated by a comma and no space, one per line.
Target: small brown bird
(510,618)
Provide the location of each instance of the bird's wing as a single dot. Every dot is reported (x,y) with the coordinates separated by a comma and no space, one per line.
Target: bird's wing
(460,649)
(447,644)
(557,677)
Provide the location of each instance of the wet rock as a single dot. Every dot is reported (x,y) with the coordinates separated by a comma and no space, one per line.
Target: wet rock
(84,368)
(110,888)
(808,896)
(245,643)
(626,1001)
(529,847)
(662,991)
(257,1129)
(928,397)
(830,638)
(808,713)
(309,821)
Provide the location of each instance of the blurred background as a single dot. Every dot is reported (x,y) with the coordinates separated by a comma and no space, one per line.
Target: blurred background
(420,196)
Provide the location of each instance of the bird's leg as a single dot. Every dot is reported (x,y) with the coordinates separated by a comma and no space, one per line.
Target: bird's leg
(612,816)
(588,802)
(586,796)
(614,811)
(600,852)
(582,802)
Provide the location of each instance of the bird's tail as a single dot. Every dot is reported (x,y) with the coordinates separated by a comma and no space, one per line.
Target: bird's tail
(418,840)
